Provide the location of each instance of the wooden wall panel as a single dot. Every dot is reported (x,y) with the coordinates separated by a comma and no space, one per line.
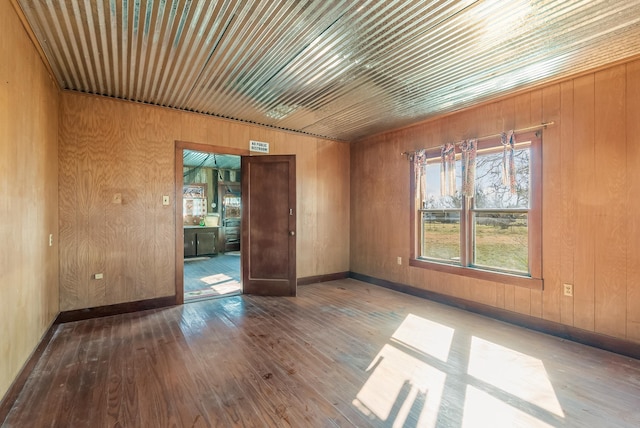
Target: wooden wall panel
(567,202)
(610,191)
(588,180)
(551,202)
(110,147)
(68,201)
(522,300)
(161,178)
(633,202)
(29,197)
(584,203)
(333,174)
(509,297)
(116,225)
(92,142)
(307,216)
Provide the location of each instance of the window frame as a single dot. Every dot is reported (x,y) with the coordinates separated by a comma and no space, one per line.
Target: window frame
(465,268)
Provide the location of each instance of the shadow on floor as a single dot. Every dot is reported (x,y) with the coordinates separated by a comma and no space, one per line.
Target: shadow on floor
(215,276)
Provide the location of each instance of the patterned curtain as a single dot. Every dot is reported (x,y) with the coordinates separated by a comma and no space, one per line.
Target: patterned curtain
(448,170)
(419,168)
(508,160)
(469,149)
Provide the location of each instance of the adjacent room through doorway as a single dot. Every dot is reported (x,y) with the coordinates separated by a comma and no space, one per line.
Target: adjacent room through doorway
(211,208)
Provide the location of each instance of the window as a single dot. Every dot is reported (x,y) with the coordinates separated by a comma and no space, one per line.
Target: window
(494,232)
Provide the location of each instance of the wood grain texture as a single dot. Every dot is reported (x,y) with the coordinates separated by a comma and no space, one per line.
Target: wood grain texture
(343,353)
(333,199)
(110,147)
(585,203)
(567,176)
(610,209)
(309,239)
(551,204)
(577,152)
(120,179)
(269,236)
(28,197)
(633,203)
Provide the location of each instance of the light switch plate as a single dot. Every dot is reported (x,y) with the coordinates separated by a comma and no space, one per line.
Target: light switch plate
(165,200)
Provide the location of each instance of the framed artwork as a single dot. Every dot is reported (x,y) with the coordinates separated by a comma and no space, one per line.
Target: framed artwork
(194,191)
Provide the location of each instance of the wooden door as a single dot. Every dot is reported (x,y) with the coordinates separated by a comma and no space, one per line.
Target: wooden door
(269,225)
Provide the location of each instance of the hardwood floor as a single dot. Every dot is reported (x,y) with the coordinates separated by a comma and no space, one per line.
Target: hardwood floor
(342,353)
(217,275)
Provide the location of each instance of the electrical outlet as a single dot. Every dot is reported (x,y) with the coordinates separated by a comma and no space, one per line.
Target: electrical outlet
(98,276)
(399,260)
(568,289)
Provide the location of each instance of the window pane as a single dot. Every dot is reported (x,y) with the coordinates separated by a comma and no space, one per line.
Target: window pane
(433,198)
(502,241)
(490,190)
(441,236)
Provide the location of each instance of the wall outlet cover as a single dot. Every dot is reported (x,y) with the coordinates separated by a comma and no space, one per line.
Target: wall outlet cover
(567,289)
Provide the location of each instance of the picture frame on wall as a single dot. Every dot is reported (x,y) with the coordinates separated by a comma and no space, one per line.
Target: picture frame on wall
(194,191)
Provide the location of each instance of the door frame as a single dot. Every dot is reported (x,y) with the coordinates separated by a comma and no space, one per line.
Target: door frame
(180,146)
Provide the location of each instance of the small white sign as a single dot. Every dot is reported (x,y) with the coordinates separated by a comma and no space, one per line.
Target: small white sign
(258,146)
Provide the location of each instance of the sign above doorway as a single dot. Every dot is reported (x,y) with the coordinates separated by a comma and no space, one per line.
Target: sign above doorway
(258,146)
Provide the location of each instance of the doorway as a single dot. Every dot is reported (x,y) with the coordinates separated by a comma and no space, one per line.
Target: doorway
(210,201)
(252,235)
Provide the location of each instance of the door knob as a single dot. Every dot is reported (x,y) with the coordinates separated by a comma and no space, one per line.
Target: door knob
(292,232)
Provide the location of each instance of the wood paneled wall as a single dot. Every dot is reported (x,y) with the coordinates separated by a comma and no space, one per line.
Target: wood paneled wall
(591,183)
(28,197)
(110,147)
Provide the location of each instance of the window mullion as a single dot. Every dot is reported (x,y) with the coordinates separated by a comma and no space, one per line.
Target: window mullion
(465,232)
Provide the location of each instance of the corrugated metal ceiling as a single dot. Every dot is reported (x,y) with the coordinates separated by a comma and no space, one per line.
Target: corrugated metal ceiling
(339,69)
(192,158)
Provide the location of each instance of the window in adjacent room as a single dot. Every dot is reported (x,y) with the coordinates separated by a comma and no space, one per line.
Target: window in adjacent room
(489,227)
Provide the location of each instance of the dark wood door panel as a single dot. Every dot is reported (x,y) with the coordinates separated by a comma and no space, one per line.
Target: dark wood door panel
(206,243)
(270,221)
(269,225)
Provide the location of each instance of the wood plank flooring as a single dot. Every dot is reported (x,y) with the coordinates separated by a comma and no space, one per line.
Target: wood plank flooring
(212,276)
(341,354)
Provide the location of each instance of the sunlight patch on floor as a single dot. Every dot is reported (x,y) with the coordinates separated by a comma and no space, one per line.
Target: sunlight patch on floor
(218,289)
(515,373)
(398,383)
(482,410)
(414,332)
(228,287)
(416,380)
(215,279)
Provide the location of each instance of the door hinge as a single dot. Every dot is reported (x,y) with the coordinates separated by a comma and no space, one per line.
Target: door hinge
(290,211)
